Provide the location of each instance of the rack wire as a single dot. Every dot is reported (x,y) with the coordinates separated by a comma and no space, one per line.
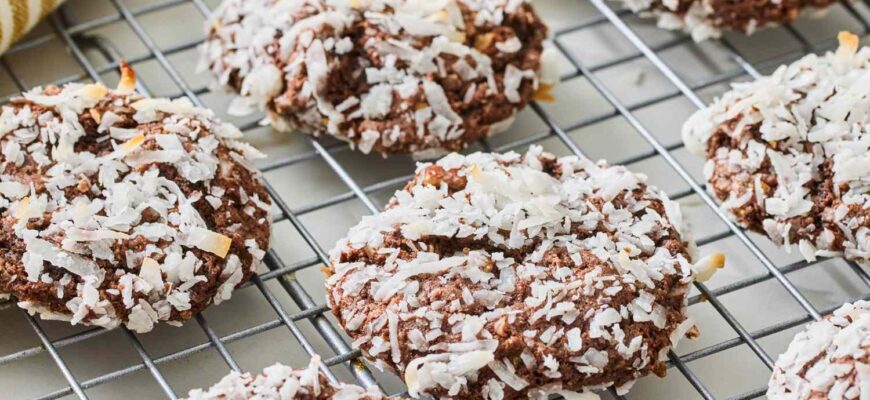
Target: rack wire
(96,56)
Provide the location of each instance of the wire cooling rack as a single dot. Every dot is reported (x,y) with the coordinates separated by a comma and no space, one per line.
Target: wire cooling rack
(627,87)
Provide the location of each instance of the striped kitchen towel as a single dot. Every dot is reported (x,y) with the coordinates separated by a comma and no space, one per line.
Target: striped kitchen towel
(18,16)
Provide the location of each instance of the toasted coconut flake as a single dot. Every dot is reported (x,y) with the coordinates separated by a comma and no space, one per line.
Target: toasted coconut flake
(693,333)
(133,144)
(544,93)
(127,84)
(23,209)
(707,266)
(94,91)
(475,173)
(456,36)
(95,114)
(848,45)
(209,241)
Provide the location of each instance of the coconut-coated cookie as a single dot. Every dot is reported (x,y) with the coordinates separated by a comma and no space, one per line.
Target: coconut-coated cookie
(789,154)
(390,76)
(121,209)
(506,276)
(705,19)
(280,382)
(830,359)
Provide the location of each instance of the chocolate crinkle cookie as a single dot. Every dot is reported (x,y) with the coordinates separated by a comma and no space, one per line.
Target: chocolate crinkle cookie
(789,154)
(828,360)
(705,19)
(506,276)
(120,209)
(393,76)
(280,382)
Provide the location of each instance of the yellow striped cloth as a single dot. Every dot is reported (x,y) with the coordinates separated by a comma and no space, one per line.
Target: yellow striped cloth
(18,16)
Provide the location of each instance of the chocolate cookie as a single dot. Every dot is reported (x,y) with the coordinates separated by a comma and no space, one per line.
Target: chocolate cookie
(120,209)
(789,154)
(705,19)
(391,76)
(505,276)
(828,360)
(280,382)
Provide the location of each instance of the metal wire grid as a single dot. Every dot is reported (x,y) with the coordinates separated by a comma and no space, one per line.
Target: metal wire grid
(76,38)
